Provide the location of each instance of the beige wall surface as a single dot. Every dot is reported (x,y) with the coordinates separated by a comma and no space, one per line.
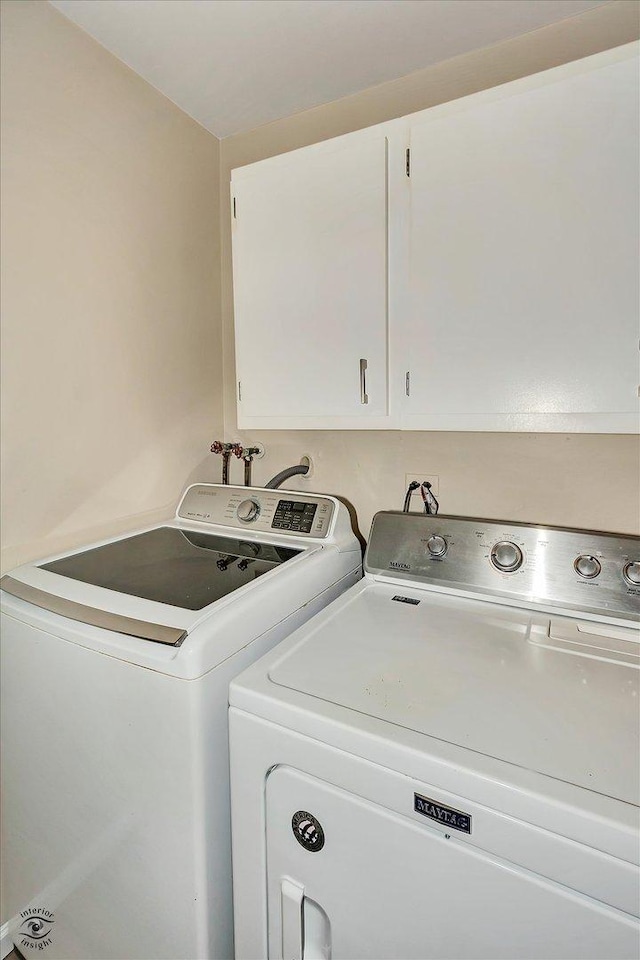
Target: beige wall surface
(111,352)
(111,304)
(574,480)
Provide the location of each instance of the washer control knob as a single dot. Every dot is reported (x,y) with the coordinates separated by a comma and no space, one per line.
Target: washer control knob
(631,573)
(506,556)
(247,511)
(586,566)
(437,546)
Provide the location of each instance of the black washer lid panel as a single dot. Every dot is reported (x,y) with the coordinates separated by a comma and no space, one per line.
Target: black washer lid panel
(178,567)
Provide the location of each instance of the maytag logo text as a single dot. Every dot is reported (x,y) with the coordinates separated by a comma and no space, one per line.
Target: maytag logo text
(447,816)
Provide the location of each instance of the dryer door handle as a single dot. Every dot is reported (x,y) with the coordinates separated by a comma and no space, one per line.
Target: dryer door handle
(306,931)
(292,905)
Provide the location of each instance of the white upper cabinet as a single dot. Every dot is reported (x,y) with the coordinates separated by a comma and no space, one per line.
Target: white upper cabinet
(310,285)
(496,287)
(523,266)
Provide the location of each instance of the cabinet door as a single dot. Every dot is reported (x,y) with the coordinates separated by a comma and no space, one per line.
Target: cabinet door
(310,285)
(523,276)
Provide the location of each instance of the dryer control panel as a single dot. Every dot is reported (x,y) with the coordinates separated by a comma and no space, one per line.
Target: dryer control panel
(260,509)
(587,570)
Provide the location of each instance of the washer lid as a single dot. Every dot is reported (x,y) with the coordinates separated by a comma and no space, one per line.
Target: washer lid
(117,596)
(183,568)
(478,676)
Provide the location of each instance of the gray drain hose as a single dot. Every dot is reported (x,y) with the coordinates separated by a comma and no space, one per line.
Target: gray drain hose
(300,469)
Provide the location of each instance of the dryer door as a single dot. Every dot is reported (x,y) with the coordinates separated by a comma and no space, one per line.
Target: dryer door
(349,879)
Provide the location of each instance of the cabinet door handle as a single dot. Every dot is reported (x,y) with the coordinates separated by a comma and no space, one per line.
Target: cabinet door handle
(363,382)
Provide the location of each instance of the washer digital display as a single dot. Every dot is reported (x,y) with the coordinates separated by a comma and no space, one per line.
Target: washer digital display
(294,515)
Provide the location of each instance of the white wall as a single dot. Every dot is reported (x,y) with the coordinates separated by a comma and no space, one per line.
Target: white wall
(111,351)
(111,304)
(575,480)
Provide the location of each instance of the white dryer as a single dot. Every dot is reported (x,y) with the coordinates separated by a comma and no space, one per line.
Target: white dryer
(116,663)
(444,762)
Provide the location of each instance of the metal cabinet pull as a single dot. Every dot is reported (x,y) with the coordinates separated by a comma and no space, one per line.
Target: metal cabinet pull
(363,382)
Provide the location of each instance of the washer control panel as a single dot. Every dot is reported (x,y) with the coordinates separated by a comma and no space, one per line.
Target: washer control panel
(586,570)
(263,510)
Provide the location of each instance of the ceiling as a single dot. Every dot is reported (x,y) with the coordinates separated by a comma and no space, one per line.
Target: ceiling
(233,65)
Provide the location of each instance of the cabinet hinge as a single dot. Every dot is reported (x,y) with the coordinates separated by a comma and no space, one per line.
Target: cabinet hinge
(408,162)
(407,383)
(239,390)
(234,209)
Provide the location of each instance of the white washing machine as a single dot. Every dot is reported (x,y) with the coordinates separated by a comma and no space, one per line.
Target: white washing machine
(444,762)
(116,663)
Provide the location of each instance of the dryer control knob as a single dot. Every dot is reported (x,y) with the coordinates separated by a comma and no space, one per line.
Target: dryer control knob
(506,556)
(437,546)
(631,573)
(587,566)
(247,511)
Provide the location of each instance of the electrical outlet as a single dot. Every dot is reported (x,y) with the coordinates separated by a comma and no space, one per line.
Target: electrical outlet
(419,477)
